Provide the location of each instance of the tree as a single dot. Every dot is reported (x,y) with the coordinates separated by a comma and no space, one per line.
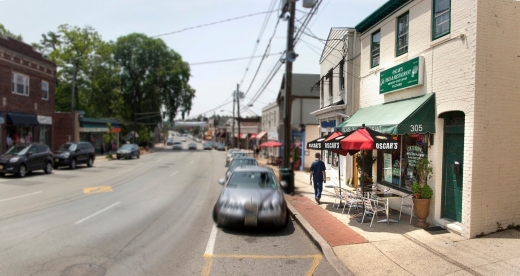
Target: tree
(109,139)
(5,32)
(152,76)
(97,81)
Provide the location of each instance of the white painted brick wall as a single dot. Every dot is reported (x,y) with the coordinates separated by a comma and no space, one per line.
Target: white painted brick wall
(477,75)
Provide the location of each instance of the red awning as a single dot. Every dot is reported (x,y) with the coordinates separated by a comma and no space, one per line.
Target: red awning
(252,136)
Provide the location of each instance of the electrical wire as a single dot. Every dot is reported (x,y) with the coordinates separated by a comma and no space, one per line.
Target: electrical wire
(213,23)
(231,59)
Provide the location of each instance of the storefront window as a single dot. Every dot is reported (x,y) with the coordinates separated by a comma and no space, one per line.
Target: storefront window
(335,159)
(399,172)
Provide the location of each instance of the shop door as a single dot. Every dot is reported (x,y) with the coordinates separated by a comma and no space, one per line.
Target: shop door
(452,171)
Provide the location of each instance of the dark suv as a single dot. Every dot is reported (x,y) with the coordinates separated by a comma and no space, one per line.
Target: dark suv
(22,159)
(71,154)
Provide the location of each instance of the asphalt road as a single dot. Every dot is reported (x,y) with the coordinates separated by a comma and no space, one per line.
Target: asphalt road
(147,216)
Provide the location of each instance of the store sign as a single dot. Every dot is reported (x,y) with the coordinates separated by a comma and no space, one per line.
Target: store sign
(44,120)
(402,76)
(272,136)
(328,124)
(389,146)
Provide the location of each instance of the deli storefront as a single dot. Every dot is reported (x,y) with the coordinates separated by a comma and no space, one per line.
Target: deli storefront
(412,123)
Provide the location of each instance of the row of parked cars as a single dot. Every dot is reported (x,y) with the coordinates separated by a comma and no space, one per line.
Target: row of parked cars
(252,195)
(208,145)
(21,159)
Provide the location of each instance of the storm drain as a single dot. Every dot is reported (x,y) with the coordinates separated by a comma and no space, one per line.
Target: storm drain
(85,270)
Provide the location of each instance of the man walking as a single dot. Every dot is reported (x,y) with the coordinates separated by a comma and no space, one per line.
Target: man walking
(318,176)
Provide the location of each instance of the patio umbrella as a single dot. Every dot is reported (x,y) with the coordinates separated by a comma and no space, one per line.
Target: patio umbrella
(317,144)
(271,144)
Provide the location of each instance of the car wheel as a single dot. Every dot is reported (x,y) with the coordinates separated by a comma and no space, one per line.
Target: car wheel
(48,167)
(138,155)
(72,165)
(286,222)
(118,158)
(90,162)
(22,172)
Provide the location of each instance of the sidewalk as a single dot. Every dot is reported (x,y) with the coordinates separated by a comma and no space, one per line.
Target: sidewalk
(399,248)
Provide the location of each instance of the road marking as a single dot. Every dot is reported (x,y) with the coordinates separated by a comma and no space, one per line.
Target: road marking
(98,189)
(125,171)
(6,199)
(97,213)
(209,251)
(173,173)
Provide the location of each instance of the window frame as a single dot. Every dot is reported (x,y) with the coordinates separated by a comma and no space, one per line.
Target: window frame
(342,75)
(45,98)
(331,83)
(434,20)
(372,49)
(26,84)
(398,35)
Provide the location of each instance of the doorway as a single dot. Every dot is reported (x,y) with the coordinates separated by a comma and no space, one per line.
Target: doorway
(452,170)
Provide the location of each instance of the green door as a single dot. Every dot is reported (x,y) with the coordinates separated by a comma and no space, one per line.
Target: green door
(453,168)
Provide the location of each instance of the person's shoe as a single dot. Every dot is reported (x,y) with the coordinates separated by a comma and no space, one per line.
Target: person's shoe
(318,201)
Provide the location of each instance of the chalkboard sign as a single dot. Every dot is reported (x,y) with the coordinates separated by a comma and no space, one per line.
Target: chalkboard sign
(414,153)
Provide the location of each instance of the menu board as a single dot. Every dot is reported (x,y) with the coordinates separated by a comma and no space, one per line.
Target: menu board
(414,153)
(387,160)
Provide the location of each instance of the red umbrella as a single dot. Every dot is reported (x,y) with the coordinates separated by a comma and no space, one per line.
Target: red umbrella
(271,144)
(367,139)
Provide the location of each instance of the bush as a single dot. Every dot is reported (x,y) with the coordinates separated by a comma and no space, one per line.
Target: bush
(426,192)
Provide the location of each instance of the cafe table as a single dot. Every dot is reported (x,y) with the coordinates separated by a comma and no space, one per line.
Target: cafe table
(387,196)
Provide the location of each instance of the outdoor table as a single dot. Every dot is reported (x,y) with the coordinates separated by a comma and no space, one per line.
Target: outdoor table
(387,196)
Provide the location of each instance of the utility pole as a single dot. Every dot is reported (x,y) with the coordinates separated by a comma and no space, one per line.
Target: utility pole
(238,114)
(288,86)
(233,135)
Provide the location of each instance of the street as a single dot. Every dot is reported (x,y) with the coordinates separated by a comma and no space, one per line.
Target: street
(147,216)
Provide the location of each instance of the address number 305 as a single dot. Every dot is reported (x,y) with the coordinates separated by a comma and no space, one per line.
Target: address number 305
(415,128)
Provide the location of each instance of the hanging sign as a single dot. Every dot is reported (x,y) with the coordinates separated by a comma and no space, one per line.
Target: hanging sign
(405,75)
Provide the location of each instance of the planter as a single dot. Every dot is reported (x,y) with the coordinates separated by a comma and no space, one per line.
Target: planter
(421,210)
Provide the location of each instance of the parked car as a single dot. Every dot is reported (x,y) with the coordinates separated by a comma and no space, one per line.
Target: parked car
(228,155)
(22,159)
(238,162)
(252,196)
(235,155)
(183,139)
(192,146)
(207,146)
(177,146)
(71,154)
(128,151)
(221,147)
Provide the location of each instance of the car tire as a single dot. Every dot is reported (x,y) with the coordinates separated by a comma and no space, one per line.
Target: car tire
(138,155)
(90,162)
(73,164)
(48,167)
(118,158)
(286,222)
(22,171)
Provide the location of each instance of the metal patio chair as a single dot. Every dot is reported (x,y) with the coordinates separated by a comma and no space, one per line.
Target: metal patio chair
(407,204)
(372,207)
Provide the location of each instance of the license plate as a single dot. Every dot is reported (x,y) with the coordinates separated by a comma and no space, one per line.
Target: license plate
(250,220)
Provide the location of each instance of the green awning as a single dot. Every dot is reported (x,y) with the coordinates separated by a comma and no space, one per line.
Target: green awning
(415,115)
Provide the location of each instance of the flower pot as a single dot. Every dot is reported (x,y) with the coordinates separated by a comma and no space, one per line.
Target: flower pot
(421,211)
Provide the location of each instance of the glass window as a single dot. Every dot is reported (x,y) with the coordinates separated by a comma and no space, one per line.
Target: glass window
(402,34)
(256,180)
(342,75)
(19,84)
(441,18)
(376,44)
(330,83)
(45,90)
(400,173)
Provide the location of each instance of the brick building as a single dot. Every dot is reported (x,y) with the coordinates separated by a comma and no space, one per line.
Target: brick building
(442,76)
(27,85)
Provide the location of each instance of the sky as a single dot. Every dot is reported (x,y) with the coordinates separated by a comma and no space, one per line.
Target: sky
(231,39)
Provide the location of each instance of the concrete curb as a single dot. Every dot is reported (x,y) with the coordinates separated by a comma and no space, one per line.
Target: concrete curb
(318,240)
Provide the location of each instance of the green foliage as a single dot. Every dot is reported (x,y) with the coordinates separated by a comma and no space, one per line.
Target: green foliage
(499,226)
(426,192)
(424,169)
(6,33)
(109,137)
(195,130)
(416,188)
(144,135)
(365,157)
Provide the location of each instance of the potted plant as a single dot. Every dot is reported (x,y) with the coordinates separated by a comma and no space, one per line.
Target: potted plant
(422,192)
(364,161)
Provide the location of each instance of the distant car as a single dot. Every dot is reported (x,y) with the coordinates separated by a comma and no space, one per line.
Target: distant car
(207,146)
(71,154)
(252,196)
(221,147)
(22,159)
(239,162)
(237,154)
(228,155)
(192,146)
(183,139)
(170,142)
(128,151)
(177,146)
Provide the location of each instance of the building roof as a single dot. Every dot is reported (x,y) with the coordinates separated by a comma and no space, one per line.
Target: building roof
(335,37)
(301,85)
(24,49)
(381,13)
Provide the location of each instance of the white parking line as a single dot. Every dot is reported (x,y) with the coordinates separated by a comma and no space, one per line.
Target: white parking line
(6,199)
(174,173)
(97,213)
(211,242)
(125,171)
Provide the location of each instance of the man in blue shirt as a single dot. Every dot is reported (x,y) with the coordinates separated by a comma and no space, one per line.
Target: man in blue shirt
(318,176)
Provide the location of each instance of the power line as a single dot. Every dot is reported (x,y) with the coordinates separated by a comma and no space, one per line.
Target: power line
(231,59)
(213,23)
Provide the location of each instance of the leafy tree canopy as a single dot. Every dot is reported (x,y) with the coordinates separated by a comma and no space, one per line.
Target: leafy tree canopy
(5,32)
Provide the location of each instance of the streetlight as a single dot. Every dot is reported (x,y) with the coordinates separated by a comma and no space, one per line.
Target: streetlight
(74,72)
